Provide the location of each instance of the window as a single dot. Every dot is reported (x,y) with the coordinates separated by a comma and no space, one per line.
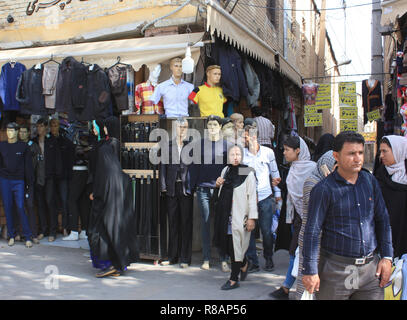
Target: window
(271,12)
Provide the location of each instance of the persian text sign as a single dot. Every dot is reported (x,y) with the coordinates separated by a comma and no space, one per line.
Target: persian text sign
(348,113)
(347,88)
(373,115)
(323,100)
(313,119)
(349,125)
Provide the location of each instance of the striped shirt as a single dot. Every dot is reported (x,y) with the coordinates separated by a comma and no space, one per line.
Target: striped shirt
(266,130)
(265,165)
(352,217)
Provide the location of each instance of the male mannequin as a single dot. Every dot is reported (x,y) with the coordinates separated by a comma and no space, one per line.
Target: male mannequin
(228,129)
(67,154)
(144,95)
(24,136)
(174,91)
(175,184)
(210,96)
(49,168)
(15,171)
(203,177)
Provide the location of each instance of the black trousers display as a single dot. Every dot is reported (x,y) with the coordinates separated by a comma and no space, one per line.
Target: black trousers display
(47,210)
(179,209)
(79,204)
(62,190)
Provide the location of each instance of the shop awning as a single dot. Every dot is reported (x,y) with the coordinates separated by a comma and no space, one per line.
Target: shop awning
(391,10)
(219,21)
(149,51)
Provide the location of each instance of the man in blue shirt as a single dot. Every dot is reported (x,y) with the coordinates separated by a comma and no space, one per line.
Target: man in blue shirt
(348,211)
(174,91)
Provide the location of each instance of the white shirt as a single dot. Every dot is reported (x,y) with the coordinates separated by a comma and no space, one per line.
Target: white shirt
(175,97)
(264,164)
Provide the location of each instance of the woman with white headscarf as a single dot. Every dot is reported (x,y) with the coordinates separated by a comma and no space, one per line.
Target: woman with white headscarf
(295,152)
(392,177)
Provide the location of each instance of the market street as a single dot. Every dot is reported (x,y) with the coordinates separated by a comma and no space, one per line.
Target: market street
(27,273)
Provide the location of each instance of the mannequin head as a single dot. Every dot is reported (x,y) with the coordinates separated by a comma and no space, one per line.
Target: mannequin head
(213,75)
(42,126)
(24,133)
(228,128)
(54,127)
(12,132)
(181,128)
(237,119)
(176,68)
(214,125)
(154,75)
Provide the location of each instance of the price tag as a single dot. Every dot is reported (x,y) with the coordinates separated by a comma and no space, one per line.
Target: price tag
(310,109)
(313,119)
(324,90)
(323,103)
(348,113)
(373,115)
(347,88)
(348,100)
(349,125)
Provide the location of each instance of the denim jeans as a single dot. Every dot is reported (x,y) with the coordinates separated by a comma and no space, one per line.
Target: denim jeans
(289,279)
(266,208)
(204,196)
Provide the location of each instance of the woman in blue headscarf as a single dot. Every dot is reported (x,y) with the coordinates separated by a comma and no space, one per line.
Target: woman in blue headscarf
(111,231)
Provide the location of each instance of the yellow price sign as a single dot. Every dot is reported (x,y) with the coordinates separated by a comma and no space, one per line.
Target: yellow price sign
(348,113)
(323,103)
(324,90)
(373,115)
(347,88)
(370,137)
(348,100)
(349,125)
(310,109)
(313,119)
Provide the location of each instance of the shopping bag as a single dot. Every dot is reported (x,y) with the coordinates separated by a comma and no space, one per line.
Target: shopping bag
(294,272)
(393,290)
(307,296)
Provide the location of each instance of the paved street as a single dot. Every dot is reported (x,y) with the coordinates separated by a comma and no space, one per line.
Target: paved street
(50,271)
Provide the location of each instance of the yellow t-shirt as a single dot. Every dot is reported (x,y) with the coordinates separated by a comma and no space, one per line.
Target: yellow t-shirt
(210,100)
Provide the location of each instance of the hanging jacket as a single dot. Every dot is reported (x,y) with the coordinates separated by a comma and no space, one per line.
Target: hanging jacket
(71,85)
(371,97)
(253,83)
(9,78)
(98,99)
(233,79)
(29,92)
(49,83)
(118,84)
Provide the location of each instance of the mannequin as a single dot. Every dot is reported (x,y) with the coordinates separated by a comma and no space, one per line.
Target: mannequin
(203,177)
(24,136)
(228,129)
(371,96)
(16,171)
(174,92)
(209,96)
(144,95)
(174,183)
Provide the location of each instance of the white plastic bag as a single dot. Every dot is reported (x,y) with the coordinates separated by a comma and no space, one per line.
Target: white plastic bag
(294,272)
(307,296)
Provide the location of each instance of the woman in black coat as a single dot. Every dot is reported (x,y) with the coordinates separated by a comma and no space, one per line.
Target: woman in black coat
(392,178)
(111,231)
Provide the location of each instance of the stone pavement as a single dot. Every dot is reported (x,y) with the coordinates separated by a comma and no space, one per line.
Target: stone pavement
(55,271)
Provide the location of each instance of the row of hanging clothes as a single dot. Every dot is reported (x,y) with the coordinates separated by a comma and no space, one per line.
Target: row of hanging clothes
(82,90)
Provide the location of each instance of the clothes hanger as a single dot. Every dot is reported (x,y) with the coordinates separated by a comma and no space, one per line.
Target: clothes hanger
(12,62)
(119,62)
(51,60)
(85,63)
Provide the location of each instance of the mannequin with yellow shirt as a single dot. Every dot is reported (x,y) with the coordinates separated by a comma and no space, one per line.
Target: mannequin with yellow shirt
(209,96)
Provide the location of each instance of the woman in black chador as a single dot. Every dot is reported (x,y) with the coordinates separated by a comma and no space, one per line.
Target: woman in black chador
(111,231)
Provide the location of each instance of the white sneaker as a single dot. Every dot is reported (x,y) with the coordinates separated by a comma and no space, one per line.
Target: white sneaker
(225,267)
(83,236)
(72,237)
(205,265)
(183,265)
(11,242)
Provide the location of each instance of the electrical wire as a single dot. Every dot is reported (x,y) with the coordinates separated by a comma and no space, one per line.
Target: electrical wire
(348,75)
(326,9)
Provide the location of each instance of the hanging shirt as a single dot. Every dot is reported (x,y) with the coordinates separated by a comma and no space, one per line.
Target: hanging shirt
(9,78)
(210,100)
(144,99)
(175,97)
